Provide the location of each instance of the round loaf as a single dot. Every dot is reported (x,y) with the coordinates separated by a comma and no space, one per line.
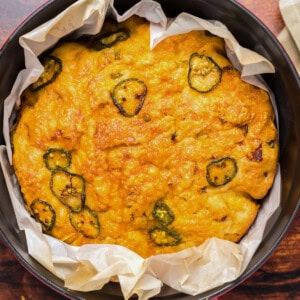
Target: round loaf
(155,150)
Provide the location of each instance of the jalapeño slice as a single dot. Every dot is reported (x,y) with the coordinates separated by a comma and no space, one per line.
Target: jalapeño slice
(68,188)
(221,171)
(57,158)
(164,236)
(129,96)
(44,213)
(52,68)
(162,213)
(204,74)
(86,222)
(110,39)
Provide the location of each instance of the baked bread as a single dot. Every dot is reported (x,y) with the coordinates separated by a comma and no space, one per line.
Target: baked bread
(155,150)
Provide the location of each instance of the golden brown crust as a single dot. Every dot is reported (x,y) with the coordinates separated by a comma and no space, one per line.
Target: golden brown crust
(162,153)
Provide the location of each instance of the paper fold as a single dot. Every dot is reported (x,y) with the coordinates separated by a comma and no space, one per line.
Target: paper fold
(290,34)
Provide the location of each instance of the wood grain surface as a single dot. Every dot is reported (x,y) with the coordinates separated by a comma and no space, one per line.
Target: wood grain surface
(277,279)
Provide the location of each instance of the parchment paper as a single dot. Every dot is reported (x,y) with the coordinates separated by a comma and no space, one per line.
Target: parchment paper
(89,267)
(290,34)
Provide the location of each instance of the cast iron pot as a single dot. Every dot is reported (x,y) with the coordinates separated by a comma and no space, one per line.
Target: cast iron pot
(285,84)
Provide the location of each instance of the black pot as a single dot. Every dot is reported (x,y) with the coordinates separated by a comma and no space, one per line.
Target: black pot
(285,83)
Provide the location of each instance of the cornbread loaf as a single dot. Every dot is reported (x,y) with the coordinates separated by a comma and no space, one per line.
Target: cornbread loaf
(155,150)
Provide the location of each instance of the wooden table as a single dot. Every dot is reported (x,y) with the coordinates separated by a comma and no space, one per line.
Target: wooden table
(278,279)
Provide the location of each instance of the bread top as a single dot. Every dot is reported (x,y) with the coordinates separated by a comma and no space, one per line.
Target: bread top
(155,150)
